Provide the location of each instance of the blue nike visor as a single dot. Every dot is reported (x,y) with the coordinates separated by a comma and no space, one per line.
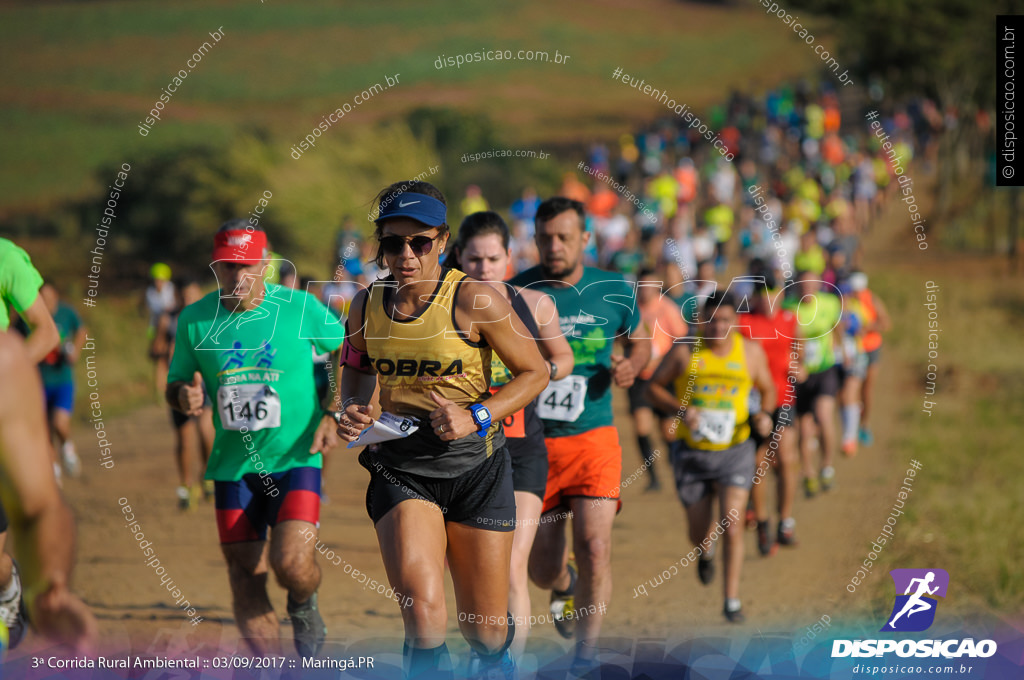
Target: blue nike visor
(419,207)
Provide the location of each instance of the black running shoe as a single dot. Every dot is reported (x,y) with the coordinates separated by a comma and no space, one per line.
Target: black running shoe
(308,627)
(765,545)
(562,606)
(734,616)
(706,570)
(787,534)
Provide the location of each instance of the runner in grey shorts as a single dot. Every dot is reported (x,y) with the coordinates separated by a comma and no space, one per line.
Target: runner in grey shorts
(698,471)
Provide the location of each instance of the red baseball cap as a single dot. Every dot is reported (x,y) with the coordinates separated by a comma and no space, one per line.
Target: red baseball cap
(240,245)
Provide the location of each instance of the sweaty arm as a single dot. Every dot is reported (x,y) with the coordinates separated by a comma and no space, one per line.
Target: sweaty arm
(552,343)
(486,312)
(183,395)
(626,368)
(79,342)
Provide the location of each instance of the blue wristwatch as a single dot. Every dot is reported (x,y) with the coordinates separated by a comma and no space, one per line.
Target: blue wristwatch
(482,418)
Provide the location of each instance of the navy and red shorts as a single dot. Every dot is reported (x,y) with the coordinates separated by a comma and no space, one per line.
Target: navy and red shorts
(245,508)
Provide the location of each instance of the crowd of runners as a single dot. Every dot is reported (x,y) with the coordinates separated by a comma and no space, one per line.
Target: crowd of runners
(731,307)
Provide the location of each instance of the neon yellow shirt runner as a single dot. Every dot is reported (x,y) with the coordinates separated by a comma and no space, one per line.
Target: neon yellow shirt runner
(719,219)
(720,393)
(817,319)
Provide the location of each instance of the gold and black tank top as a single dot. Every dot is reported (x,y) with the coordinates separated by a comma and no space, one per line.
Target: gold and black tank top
(428,352)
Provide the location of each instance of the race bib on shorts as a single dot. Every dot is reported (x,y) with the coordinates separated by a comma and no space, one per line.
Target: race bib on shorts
(715,425)
(563,399)
(254,406)
(515,424)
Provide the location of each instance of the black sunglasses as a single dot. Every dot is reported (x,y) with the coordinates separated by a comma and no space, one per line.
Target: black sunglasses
(395,245)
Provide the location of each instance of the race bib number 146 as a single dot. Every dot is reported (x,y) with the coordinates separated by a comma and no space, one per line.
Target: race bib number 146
(254,406)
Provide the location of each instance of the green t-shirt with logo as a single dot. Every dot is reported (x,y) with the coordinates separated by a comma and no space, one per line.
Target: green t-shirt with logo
(816,321)
(19,281)
(599,308)
(258,370)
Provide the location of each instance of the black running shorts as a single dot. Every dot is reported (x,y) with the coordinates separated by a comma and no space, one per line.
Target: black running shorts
(824,384)
(781,419)
(637,394)
(529,459)
(481,497)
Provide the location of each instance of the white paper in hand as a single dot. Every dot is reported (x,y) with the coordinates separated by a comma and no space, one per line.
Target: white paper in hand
(387,427)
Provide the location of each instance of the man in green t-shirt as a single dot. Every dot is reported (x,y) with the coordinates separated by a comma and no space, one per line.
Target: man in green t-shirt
(19,290)
(584,457)
(251,344)
(819,316)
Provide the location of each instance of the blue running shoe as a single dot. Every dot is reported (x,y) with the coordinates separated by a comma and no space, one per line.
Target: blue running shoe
(482,669)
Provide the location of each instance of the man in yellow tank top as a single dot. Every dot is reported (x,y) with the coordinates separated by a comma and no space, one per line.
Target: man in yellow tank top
(708,387)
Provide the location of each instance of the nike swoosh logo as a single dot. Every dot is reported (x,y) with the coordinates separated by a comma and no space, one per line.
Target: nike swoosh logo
(402,205)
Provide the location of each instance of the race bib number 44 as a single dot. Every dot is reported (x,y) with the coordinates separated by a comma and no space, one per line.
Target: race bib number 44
(563,399)
(715,425)
(255,407)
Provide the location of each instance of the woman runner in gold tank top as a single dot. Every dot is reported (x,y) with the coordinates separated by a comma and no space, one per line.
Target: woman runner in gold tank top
(425,334)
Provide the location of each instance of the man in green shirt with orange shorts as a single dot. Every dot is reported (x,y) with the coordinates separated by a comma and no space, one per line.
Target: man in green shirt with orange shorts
(584,457)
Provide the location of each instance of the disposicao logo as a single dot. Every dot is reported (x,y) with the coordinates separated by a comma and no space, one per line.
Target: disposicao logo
(913,612)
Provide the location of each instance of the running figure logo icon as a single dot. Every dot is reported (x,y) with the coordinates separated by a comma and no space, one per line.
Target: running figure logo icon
(914,610)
